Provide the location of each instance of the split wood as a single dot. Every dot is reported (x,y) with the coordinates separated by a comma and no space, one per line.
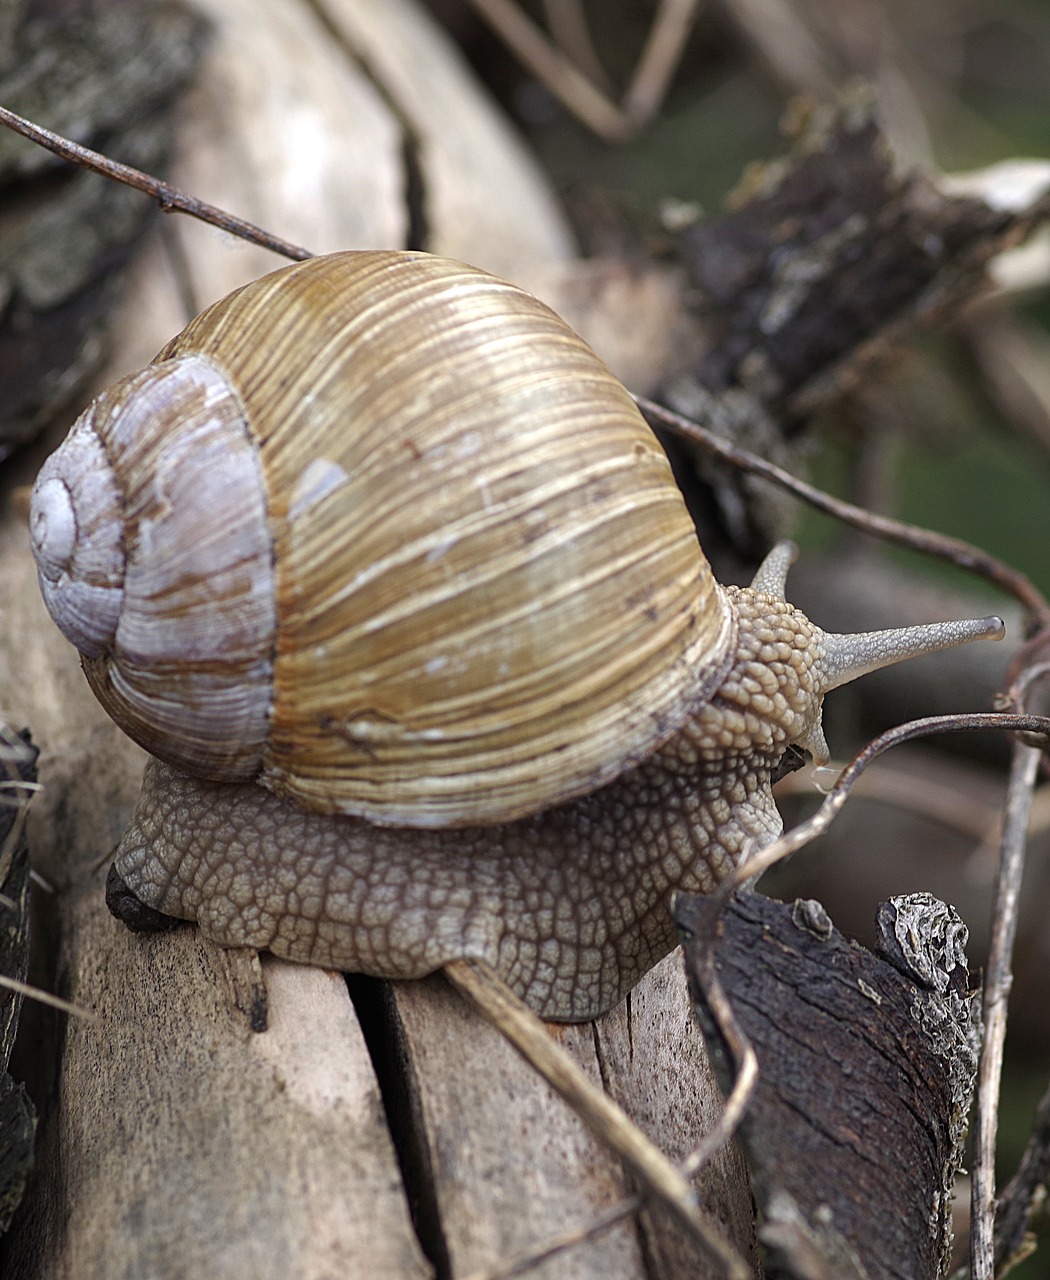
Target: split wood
(652,1170)
(649,1166)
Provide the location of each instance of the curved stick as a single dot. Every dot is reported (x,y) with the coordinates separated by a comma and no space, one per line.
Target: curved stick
(954,550)
(170,199)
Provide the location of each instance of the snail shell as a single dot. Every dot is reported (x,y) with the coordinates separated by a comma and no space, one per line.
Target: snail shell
(381,531)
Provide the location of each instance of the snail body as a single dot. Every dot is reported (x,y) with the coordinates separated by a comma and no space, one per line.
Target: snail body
(380,533)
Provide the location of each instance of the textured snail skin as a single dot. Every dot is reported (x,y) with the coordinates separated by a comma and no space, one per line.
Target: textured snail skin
(570,906)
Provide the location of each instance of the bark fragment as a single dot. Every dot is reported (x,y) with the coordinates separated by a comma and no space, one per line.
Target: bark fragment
(829,257)
(106,78)
(17,1116)
(866,1068)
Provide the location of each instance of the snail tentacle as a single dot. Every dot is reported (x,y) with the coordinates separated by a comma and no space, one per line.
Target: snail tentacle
(771,577)
(845,657)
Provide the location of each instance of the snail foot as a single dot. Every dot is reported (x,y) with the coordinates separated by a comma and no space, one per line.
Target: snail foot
(132,911)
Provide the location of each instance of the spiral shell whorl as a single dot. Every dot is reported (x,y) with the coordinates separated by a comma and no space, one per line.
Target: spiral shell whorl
(153,514)
(76,532)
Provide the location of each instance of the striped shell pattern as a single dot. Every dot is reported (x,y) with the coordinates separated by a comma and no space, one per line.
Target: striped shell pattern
(382,532)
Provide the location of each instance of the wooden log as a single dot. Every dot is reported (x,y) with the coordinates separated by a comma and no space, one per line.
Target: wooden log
(866,1068)
(182,1143)
(509,1165)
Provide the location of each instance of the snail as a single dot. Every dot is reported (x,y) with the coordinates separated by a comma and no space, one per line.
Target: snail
(390,577)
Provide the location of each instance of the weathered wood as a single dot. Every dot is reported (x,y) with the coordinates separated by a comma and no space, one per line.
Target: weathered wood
(829,257)
(477,196)
(866,1071)
(182,1143)
(655,1065)
(509,1166)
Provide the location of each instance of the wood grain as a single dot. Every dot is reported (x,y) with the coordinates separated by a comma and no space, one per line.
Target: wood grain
(499,1139)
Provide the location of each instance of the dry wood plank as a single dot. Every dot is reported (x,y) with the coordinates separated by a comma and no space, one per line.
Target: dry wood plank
(654,1063)
(481,197)
(509,1166)
(282,129)
(176,1142)
(184,1144)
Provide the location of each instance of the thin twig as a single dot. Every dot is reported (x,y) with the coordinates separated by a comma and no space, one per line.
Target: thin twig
(954,550)
(798,837)
(562,77)
(12,745)
(531,1258)
(15,791)
(784,42)
(998,979)
(746,1078)
(654,1172)
(45,997)
(746,1065)
(20,790)
(583,94)
(997,982)
(170,199)
(745,1061)
(659,58)
(40,881)
(1012,359)
(567,22)
(917,793)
